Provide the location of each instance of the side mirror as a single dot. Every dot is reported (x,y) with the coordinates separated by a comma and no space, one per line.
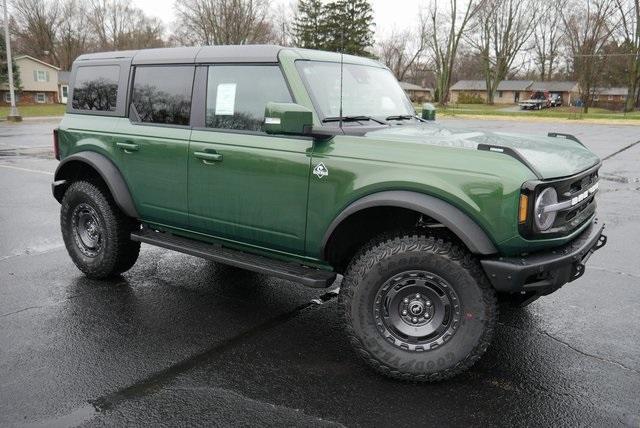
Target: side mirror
(287,118)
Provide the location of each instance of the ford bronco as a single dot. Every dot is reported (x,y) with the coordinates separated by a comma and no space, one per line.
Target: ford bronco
(306,165)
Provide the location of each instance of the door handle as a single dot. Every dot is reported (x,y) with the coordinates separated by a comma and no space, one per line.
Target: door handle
(128,147)
(208,157)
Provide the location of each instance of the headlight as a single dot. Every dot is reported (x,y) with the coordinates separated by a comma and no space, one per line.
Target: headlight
(544,220)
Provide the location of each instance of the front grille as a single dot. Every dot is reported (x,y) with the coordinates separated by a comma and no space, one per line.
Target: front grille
(575,189)
(575,186)
(579,194)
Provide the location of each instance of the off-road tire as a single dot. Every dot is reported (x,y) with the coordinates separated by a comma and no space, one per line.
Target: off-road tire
(390,256)
(116,253)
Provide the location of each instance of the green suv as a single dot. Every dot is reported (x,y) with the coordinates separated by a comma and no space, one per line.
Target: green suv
(306,165)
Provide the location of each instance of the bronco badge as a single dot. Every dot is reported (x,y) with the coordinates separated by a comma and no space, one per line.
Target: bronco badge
(320,170)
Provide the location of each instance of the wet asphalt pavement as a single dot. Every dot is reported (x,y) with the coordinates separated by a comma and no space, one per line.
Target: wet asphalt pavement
(178,340)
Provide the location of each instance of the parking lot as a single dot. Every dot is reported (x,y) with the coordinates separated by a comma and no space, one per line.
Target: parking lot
(179,340)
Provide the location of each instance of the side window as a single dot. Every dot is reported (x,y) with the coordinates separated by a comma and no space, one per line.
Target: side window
(162,94)
(238,94)
(96,88)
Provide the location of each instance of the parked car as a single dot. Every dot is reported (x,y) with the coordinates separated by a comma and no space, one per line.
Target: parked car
(538,101)
(555,100)
(306,165)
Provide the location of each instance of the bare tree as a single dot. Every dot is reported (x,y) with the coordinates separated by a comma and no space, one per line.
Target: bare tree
(74,35)
(547,38)
(117,25)
(223,22)
(282,31)
(402,49)
(629,14)
(448,29)
(36,28)
(502,29)
(588,30)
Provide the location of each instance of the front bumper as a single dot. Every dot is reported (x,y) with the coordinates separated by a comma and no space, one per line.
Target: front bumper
(544,272)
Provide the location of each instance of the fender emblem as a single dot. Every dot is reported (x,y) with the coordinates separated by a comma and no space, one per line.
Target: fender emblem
(320,170)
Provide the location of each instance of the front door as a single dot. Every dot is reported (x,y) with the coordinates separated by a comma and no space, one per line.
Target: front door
(64,93)
(244,185)
(516,97)
(153,145)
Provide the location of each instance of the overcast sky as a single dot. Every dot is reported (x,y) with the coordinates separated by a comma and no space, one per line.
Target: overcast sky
(389,14)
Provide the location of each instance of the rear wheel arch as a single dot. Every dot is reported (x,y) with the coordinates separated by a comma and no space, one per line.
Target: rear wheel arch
(402,204)
(87,164)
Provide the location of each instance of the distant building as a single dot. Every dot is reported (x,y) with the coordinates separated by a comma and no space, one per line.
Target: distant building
(38,80)
(511,91)
(63,86)
(417,93)
(508,91)
(567,90)
(468,90)
(610,98)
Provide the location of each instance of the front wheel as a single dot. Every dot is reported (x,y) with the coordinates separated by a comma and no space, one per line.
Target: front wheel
(95,231)
(417,308)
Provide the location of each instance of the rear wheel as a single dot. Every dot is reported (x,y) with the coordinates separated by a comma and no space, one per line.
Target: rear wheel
(95,231)
(417,308)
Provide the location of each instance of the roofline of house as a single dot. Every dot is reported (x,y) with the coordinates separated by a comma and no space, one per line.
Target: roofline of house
(533,85)
(37,60)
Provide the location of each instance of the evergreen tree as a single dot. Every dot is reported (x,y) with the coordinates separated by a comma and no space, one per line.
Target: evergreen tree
(308,25)
(4,69)
(348,27)
(340,25)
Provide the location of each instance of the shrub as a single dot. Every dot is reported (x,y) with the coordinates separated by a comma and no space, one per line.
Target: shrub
(470,98)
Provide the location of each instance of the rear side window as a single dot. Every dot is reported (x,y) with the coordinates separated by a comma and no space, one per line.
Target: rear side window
(162,94)
(238,94)
(96,88)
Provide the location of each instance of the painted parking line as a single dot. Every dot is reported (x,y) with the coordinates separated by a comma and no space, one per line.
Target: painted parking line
(26,169)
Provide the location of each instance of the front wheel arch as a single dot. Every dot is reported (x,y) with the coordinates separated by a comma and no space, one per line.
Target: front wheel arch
(459,223)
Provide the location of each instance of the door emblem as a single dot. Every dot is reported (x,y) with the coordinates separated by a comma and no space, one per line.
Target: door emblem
(320,170)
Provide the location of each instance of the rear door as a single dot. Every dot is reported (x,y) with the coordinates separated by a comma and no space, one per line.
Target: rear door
(244,185)
(154,143)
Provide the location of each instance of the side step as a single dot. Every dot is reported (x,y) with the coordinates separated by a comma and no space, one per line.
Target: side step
(310,277)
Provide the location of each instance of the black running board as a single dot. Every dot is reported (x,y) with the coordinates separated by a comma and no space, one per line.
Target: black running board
(310,277)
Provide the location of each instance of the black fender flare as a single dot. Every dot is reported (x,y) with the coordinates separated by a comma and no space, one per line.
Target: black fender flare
(107,170)
(469,232)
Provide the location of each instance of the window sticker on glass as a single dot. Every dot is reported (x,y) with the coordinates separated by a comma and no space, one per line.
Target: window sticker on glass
(225,99)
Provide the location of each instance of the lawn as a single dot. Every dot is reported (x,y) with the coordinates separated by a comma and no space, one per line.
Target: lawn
(36,110)
(572,113)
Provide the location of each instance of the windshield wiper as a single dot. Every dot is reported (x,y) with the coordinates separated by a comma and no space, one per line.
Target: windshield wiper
(352,119)
(401,117)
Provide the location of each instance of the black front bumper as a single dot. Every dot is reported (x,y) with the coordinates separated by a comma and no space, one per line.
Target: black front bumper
(544,272)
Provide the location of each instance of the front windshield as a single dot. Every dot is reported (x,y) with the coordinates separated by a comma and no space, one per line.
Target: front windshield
(367,91)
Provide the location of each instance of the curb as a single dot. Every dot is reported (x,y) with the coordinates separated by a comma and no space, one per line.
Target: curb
(34,119)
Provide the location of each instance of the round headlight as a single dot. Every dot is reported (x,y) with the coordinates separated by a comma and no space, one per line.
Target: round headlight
(545,220)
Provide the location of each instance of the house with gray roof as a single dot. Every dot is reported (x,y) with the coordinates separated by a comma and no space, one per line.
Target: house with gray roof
(612,98)
(417,93)
(512,91)
(508,91)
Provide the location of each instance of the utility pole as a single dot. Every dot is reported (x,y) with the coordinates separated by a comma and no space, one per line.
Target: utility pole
(14,115)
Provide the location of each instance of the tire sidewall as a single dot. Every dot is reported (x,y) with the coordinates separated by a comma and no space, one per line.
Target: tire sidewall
(87,193)
(451,353)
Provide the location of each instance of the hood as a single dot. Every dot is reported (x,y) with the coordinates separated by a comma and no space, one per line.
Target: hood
(548,157)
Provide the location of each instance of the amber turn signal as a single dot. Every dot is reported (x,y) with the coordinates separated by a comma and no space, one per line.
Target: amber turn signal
(524,209)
